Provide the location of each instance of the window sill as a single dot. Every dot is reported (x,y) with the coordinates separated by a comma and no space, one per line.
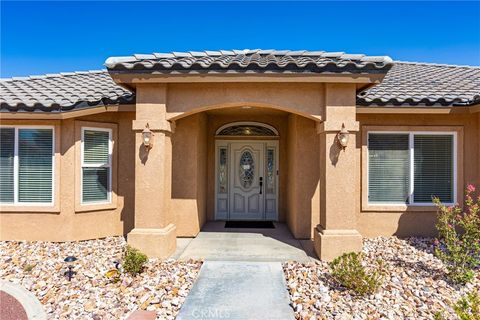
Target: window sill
(29,209)
(397,208)
(95,207)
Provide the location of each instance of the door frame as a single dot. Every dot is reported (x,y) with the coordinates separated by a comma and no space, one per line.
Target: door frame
(268,143)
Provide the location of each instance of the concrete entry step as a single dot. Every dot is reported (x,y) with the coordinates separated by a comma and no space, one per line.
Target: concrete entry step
(217,243)
(238,290)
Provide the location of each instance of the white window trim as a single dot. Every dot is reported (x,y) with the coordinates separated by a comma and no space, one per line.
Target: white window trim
(96,165)
(411,135)
(16,164)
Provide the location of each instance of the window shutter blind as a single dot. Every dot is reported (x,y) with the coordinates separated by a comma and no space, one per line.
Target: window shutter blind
(95,146)
(35,148)
(95,184)
(7,153)
(433,168)
(96,180)
(388,168)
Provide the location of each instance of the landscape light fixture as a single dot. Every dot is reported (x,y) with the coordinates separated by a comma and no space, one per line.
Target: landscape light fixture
(69,273)
(343,136)
(147,136)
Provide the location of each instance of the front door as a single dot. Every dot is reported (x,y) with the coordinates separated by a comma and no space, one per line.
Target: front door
(246,180)
(246,188)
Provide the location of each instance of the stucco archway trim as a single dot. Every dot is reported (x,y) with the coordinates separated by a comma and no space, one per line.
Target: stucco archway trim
(174,116)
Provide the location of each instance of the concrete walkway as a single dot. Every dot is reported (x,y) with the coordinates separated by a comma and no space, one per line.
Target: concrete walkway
(215,243)
(239,291)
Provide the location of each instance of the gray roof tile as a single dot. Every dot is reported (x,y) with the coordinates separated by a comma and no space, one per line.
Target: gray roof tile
(61,92)
(410,83)
(239,61)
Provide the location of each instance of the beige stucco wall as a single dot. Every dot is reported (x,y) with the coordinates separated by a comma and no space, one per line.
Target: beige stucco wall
(65,223)
(189,179)
(411,221)
(304,98)
(304,174)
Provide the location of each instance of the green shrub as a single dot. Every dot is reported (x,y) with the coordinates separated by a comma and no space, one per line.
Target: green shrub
(349,271)
(28,267)
(133,261)
(466,308)
(458,245)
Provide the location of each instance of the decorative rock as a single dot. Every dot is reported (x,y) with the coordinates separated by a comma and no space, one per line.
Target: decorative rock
(89,305)
(415,288)
(161,288)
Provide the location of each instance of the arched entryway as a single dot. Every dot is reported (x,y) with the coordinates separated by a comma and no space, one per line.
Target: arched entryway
(210,150)
(175,188)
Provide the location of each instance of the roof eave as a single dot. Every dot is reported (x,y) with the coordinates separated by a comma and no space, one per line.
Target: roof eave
(408,109)
(130,80)
(66,114)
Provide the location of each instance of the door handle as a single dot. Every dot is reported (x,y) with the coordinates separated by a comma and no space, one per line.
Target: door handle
(261,184)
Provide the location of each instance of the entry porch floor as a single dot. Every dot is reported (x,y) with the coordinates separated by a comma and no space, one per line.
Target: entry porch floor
(217,243)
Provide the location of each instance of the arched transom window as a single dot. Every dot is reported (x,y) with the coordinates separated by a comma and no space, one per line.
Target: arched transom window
(247,129)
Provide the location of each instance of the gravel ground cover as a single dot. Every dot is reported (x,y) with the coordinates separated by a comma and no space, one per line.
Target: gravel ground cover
(39,267)
(415,286)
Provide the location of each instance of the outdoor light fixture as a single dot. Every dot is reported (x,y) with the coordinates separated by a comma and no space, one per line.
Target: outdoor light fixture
(118,265)
(342,137)
(147,135)
(69,273)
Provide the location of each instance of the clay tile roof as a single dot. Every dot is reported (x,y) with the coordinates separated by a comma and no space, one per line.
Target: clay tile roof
(413,84)
(405,84)
(251,61)
(61,92)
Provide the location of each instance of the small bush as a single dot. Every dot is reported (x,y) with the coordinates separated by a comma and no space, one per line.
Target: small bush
(28,267)
(349,271)
(133,261)
(466,308)
(458,245)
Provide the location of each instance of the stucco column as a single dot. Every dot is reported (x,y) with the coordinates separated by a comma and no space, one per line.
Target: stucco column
(336,233)
(154,232)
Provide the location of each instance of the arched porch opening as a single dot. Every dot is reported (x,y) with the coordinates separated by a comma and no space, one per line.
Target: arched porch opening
(202,135)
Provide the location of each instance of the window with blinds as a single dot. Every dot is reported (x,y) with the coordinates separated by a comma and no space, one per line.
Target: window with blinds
(7,165)
(411,167)
(433,168)
(96,165)
(388,168)
(26,165)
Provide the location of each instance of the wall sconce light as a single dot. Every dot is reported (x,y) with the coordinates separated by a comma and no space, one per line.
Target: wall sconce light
(343,136)
(69,273)
(147,136)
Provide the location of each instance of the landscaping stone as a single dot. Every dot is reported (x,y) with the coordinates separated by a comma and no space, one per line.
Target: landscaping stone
(39,267)
(415,286)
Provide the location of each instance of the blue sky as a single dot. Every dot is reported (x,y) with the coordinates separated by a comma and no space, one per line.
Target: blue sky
(49,37)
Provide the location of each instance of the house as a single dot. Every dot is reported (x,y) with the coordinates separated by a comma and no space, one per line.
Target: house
(337,146)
